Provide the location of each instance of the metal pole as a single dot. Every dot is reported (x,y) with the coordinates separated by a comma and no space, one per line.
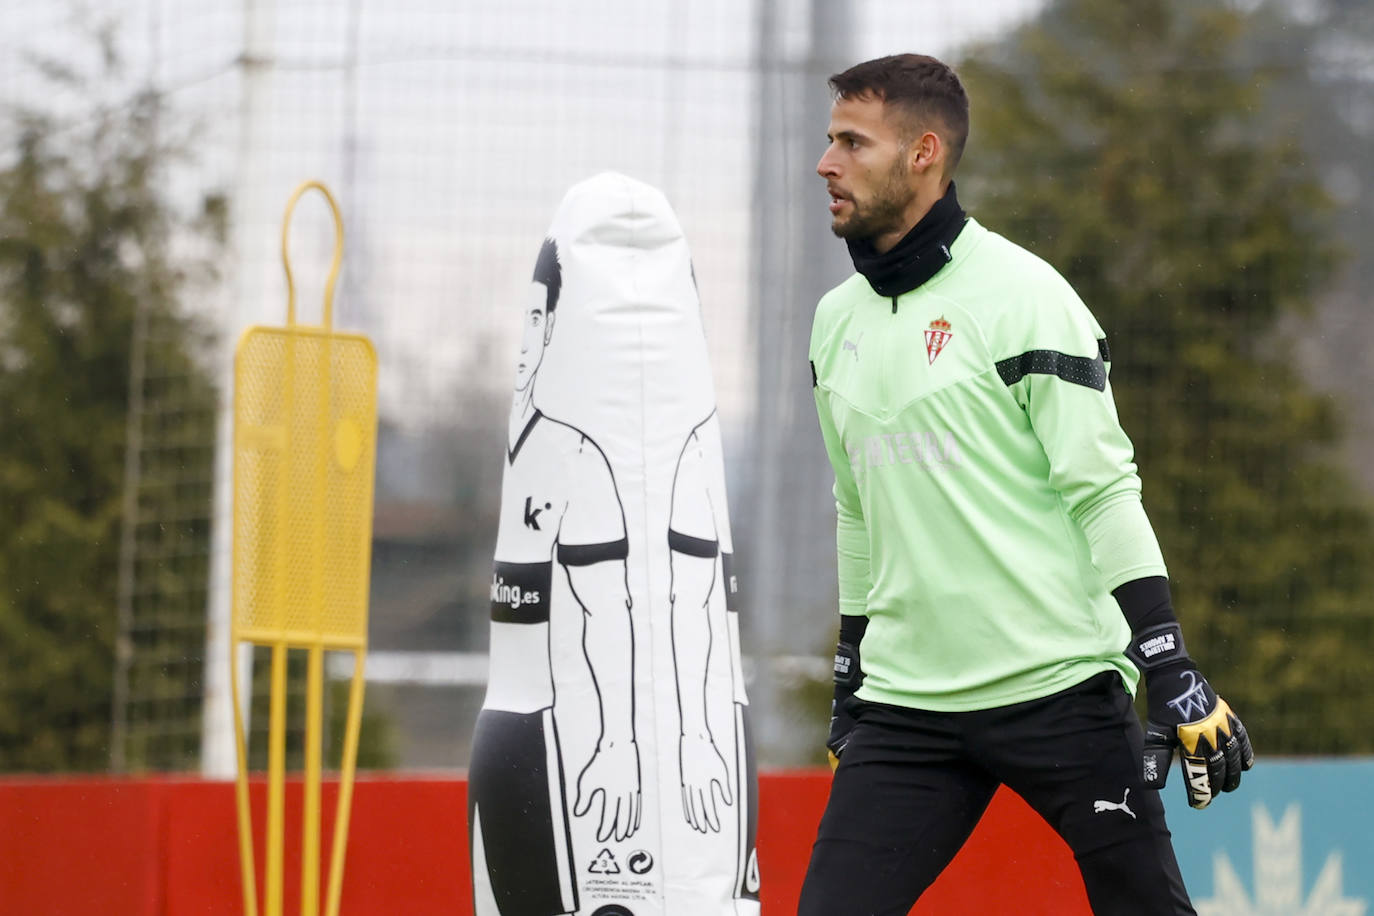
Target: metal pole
(133,476)
(790,528)
(354,284)
(128,536)
(218,756)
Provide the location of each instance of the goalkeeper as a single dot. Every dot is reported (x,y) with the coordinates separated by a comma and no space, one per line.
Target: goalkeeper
(1001,589)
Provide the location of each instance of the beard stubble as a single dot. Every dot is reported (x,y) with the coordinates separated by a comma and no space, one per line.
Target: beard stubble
(885,211)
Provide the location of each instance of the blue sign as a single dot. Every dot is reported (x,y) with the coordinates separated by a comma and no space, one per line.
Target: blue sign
(1296,838)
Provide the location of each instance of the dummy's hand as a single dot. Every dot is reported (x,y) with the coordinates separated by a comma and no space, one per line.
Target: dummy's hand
(1186,713)
(705,779)
(613,775)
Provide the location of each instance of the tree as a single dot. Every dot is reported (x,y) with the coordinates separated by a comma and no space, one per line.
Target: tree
(95,263)
(1135,151)
(1323,90)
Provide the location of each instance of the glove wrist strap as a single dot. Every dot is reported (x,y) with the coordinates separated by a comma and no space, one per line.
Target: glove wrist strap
(848,674)
(1157,646)
(848,677)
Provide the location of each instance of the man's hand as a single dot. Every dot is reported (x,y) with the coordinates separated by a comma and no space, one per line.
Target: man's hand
(841,725)
(1186,713)
(704,777)
(849,676)
(613,774)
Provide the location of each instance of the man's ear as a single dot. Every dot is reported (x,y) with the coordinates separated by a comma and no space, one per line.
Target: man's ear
(548,327)
(927,151)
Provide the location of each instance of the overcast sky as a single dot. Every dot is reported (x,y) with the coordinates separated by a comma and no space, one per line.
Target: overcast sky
(451,139)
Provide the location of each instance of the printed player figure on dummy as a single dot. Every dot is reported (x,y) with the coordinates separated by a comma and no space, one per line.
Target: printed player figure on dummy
(559,504)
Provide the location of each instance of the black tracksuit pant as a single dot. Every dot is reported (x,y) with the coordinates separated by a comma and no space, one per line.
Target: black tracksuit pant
(912,785)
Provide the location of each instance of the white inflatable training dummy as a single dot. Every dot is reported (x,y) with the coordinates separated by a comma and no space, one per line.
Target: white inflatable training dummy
(612,771)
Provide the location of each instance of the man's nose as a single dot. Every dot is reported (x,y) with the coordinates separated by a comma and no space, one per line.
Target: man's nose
(826,168)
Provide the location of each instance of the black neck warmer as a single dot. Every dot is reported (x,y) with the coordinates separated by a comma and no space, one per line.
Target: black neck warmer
(918,256)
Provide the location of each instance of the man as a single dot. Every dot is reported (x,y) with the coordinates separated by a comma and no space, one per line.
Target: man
(559,503)
(1001,589)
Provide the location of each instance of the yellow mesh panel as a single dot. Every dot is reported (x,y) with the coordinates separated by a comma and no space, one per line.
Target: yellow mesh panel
(305,421)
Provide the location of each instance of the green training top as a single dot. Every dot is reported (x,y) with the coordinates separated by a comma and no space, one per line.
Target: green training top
(987,497)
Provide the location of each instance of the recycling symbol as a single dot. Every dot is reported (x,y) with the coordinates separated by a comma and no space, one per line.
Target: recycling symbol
(640,862)
(604,864)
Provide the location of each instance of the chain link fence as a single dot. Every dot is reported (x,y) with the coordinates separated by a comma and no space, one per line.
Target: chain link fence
(449,132)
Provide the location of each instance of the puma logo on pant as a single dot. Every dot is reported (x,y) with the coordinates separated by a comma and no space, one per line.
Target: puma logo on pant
(1100,806)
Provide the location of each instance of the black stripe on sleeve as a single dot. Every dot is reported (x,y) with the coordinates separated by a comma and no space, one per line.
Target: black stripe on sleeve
(520,592)
(1078,370)
(587,554)
(692,547)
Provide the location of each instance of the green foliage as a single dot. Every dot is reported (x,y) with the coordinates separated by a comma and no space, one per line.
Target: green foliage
(89,246)
(1137,154)
(378,736)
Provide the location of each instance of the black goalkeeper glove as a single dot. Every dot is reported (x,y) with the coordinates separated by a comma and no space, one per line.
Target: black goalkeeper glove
(1184,711)
(848,677)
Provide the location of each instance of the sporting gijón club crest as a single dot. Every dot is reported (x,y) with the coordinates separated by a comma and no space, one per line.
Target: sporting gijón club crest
(937,335)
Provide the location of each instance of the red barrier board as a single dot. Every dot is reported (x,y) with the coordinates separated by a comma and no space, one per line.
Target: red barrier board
(78,847)
(167,847)
(1013,865)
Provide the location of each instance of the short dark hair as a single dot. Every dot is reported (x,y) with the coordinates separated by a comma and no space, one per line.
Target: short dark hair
(548,271)
(924,88)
